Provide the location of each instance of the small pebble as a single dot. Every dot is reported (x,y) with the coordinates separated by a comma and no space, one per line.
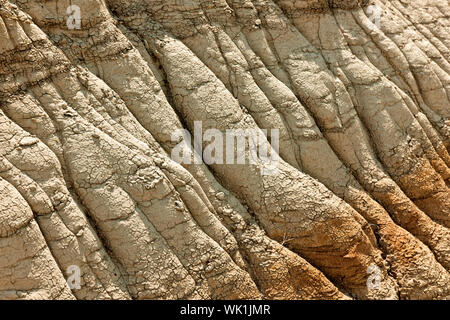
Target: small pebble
(28,141)
(220,196)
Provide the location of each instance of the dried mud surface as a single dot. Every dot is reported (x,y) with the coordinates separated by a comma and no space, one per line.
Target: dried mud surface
(86,124)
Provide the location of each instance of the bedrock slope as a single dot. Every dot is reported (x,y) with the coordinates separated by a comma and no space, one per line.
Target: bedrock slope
(86,176)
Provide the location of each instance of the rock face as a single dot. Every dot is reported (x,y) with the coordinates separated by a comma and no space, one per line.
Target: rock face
(92,92)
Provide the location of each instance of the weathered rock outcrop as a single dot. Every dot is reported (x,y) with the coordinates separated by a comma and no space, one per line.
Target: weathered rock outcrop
(359,206)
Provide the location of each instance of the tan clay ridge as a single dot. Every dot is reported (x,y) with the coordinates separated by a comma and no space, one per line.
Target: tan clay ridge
(87,179)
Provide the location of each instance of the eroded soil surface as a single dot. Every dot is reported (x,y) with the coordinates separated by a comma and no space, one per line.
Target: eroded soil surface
(358,209)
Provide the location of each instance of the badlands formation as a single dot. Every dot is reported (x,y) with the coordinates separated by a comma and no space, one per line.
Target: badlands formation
(92,92)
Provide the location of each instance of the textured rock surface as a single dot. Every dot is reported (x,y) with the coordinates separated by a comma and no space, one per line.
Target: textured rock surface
(86,177)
